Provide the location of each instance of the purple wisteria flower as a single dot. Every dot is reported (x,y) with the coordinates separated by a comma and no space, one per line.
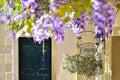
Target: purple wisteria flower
(29,8)
(6,14)
(29,3)
(12,34)
(58,29)
(104,17)
(17,17)
(4,19)
(48,27)
(41,29)
(78,24)
(8,9)
(55,4)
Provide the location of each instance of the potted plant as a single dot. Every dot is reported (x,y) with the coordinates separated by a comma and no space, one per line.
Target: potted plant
(83,65)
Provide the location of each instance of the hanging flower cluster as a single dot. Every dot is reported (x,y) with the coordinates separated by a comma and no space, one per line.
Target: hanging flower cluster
(47,27)
(104,17)
(79,23)
(43,19)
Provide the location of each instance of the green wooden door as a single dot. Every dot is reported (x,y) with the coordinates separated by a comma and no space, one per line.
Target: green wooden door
(33,65)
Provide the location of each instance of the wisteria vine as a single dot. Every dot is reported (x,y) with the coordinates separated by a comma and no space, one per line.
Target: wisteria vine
(43,19)
(104,17)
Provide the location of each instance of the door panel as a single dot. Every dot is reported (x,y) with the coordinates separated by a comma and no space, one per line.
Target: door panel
(33,65)
(44,60)
(115,57)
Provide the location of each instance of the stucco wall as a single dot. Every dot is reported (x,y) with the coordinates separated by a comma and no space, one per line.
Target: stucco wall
(66,47)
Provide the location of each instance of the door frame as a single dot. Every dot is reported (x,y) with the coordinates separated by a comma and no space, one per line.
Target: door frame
(16,60)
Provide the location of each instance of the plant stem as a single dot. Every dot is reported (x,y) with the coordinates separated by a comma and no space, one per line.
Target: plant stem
(43,47)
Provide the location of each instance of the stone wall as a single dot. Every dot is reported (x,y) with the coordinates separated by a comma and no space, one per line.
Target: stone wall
(6,56)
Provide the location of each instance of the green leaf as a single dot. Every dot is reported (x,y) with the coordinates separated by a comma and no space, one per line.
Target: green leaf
(18,8)
(112,1)
(13,26)
(18,1)
(20,22)
(76,5)
(76,14)
(27,27)
(118,6)
(29,23)
(66,8)
(61,12)
(16,25)
(82,5)
(85,5)
(3,2)
(19,33)
(51,31)
(67,19)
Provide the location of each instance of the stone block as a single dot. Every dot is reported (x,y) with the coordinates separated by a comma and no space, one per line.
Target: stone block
(8,59)
(2,33)
(9,76)
(7,50)
(2,71)
(8,67)
(8,41)
(1,49)
(2,41)
(2,58)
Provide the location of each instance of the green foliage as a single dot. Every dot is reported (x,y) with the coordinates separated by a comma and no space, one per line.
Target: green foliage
(112,1)
(46,2)
(18,6)
(67,19)
(118,6)
(3,2)
(15,25)
(17,1)
(26,28)
(76,14)
(66,8)
(81,5)
(76,6)
(84,65)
